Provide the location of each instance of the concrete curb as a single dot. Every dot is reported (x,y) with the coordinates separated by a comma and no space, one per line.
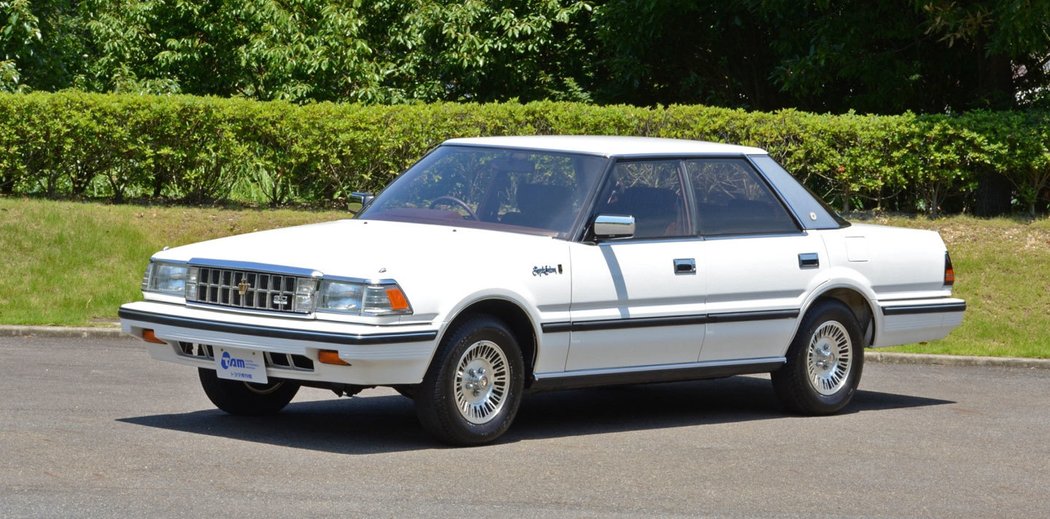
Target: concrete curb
(70,332)
(954,360)
(111,332)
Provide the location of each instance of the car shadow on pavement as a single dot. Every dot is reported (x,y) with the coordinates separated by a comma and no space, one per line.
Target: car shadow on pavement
(375,424)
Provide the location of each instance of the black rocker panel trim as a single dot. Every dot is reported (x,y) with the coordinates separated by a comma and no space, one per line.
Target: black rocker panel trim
(645,322)
(651,376)
(924,309)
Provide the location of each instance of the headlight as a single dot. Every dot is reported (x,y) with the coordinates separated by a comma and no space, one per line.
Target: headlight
(165,278)
(357,298)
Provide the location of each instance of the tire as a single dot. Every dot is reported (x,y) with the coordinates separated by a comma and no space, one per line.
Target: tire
(407,390)
(824,362)
(244,398)
(473,387)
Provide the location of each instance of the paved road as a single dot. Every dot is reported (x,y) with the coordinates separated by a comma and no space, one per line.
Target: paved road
(94,428)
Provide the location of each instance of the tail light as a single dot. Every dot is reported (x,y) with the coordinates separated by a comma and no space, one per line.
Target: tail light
(949,272)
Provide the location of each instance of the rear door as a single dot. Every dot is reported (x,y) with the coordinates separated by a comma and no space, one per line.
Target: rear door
(756,261)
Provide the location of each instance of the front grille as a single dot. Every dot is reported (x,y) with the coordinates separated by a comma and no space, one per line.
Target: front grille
(273,360)
(244,289)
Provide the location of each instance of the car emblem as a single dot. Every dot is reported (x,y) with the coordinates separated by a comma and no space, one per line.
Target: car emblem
(243,286)
(545,270)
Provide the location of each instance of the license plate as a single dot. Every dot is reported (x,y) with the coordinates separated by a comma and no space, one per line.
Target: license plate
(238,364)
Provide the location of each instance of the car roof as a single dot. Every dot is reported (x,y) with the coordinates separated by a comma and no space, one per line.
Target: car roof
(609,146)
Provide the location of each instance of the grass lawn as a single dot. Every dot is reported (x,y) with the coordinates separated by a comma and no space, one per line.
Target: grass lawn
(1002,270)
(70,263)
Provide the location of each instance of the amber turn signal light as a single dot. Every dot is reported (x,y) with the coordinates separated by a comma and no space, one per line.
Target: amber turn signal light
(398,301)
(331,357)
(149,336)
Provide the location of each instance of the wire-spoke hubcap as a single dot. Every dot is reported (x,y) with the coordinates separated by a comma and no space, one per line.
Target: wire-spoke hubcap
(482,381)
(830,358)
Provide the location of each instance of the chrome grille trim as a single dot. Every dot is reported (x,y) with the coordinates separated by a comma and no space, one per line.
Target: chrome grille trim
(262,290)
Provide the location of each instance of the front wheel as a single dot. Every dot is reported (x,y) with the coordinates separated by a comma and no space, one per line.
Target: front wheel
(824,362)
(471,392)
(246,398)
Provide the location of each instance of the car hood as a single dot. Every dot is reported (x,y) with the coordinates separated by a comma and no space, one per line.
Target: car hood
(369,249)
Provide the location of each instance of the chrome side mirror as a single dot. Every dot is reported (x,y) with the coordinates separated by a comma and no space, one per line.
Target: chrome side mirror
(611,227)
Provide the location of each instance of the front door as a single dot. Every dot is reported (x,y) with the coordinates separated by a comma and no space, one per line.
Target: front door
(639,302)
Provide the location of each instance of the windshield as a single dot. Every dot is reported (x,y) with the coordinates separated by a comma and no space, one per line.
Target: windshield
(505,189)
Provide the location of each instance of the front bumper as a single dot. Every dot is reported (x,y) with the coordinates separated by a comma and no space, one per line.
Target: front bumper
(378,355)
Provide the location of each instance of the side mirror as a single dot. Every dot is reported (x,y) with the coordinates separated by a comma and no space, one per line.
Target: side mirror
(361,198)
(611,227)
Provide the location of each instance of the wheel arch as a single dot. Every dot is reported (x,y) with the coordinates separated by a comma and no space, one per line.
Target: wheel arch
(514,316)
(853,298)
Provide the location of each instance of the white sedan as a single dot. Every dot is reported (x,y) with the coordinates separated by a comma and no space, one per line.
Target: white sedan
(498,266)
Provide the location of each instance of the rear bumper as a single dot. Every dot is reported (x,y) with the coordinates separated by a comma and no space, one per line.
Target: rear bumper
(906,322)
(378,355)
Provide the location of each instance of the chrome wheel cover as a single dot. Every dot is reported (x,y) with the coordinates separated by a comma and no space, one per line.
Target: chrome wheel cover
(482,382)
(829,358)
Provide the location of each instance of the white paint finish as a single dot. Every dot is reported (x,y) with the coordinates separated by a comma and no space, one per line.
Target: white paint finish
(634,279)
(907,329)
(443,270)
(610,146)
(857,249)
(751,274)
(902,261)
(746,340)
(893,330)
(370,364)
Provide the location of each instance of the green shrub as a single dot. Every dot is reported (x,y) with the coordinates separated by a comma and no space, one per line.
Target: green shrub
(201,149)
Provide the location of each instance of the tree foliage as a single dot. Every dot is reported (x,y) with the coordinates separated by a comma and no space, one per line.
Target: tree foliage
(817,55)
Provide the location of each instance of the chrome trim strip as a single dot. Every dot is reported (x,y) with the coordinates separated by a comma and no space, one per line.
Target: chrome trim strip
(258,267)
(684,320)
(217,307)
(762,315)
(280,333)
(924,309)
(362,281)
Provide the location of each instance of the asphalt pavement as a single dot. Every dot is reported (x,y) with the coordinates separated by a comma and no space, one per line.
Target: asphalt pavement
(93,427)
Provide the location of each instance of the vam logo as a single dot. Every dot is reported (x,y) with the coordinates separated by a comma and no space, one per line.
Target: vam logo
(228,361)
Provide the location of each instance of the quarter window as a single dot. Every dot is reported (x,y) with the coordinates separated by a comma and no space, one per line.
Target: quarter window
(732,199)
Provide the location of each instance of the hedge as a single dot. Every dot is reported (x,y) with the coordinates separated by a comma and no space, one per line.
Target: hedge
(195,150)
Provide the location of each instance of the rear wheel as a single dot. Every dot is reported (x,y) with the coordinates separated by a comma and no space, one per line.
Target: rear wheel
(824,362)
(246,398)
(471,392)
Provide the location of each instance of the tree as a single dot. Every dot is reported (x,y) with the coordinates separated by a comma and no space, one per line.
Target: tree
(816,55)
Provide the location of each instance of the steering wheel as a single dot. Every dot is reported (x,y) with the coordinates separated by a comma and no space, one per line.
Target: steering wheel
(455,201)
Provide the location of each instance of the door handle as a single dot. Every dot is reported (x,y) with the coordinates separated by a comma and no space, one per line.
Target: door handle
(808,260)
(684,266)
